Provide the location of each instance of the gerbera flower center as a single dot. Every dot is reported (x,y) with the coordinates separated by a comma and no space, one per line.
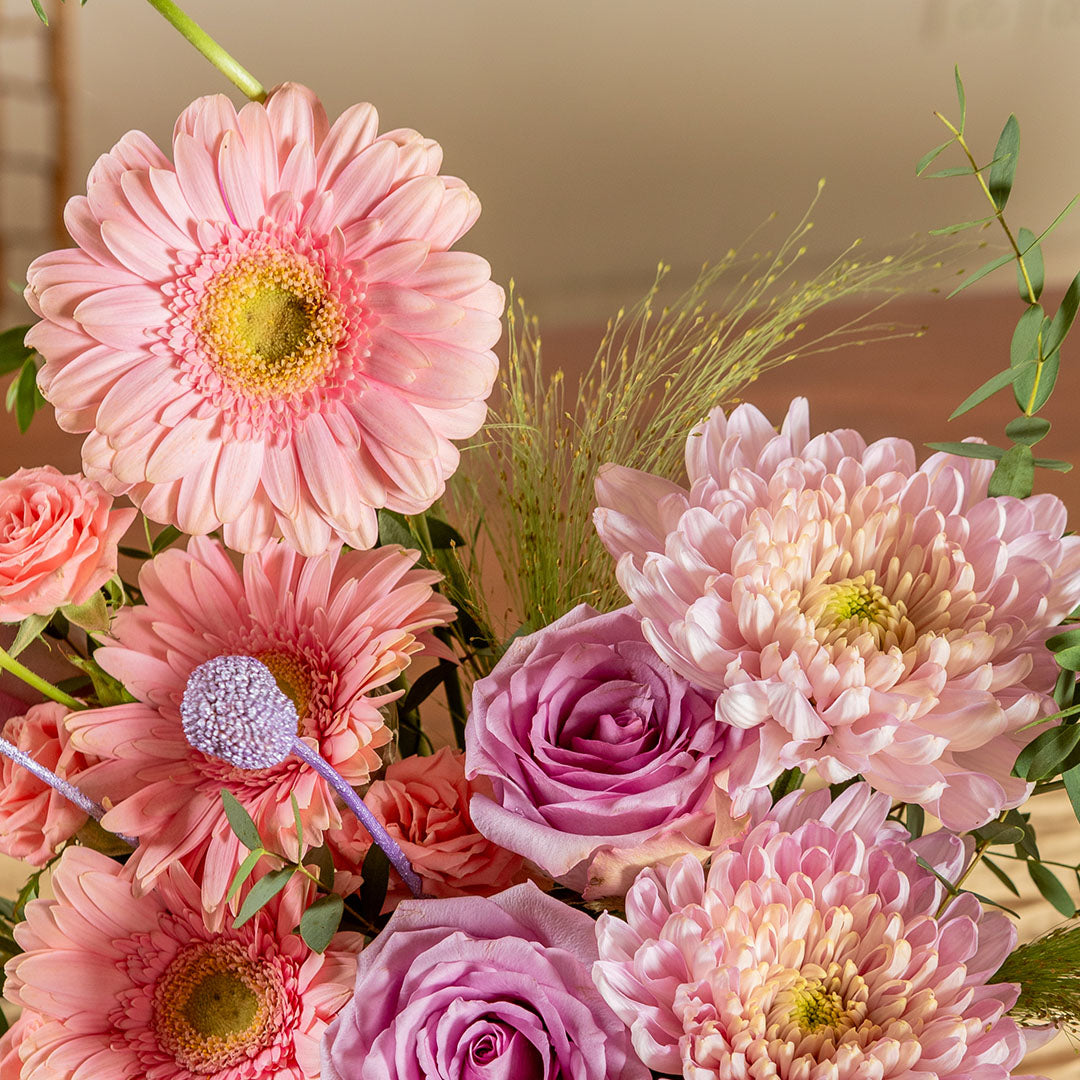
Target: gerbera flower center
(845,610)
(269,323)
(214,1006)
(293,681)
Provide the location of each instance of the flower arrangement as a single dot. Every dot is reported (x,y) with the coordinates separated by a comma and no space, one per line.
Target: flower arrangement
(764,698)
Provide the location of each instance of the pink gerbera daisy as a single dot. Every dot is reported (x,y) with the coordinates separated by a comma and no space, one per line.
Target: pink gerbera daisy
(332,629)
(814,949)
(125,987)
(269,333)
(865,615)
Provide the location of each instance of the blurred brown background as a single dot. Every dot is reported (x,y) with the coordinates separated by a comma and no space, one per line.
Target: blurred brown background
(604,135)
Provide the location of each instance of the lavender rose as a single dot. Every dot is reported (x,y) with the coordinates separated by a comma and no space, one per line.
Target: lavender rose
(601,759)
(480,989)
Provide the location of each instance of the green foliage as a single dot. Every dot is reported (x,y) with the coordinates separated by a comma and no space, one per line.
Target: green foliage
(1048,971)
(240,821)
(23,396)
(262,892)
(320,922)
(661,366)
(1034,355)
(376,880)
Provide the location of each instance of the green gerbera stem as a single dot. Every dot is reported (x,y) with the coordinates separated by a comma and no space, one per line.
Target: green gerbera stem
(9,663)
(223,61)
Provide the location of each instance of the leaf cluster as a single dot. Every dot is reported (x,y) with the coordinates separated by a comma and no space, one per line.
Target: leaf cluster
(321,918)
(1035,350)
(23,396)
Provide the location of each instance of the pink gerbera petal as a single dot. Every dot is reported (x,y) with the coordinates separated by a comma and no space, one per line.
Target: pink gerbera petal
(333,630)
(280,271)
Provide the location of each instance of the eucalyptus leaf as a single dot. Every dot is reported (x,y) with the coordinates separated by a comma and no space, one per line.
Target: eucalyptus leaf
(1015,473)
(988,389)
(1071,779)
(1056,222)
(1034,384)
(13,353)
(978,275)
(299,823)
(915,820)
(1001,875)
(1004,170)
(961,97)
(1063,318)
(376,880)
(1043,756)
(1064,639)
(1024,348)
(1053,464)
(955,170)
(1028,429)
(997,832)
(960,226)
(244,872)
(968,449)
(323,859)
(1033,263)
(925,161)
(240,821)
(443,535)
(1068,658)
(262,892)
(169,535)
(394,529)
(1051,889)
(26,395)
(320,922)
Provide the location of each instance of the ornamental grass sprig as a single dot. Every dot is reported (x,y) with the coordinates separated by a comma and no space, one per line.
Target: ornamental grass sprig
(659,368)
(1048,971)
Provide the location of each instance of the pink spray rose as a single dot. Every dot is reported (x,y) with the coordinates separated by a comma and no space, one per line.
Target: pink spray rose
(601,759)
(424,804)
(58,538)
(34,819)
(472,989)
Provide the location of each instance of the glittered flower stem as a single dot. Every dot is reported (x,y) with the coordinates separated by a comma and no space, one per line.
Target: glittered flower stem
(58,784)
(213,52)
(10,664)
(398,859)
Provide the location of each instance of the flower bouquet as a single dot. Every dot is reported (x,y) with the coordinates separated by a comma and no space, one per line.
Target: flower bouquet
(717,756)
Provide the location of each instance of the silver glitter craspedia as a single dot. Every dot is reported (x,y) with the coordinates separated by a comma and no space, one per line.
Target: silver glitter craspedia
(234,710)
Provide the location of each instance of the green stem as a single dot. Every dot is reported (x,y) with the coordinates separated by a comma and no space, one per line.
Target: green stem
(9,663)
(999,214)
(213,52)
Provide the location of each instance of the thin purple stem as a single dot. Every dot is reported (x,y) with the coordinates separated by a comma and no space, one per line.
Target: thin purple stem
(397,857)
(58,784)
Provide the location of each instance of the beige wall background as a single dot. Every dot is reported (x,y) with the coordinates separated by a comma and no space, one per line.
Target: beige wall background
(604,135)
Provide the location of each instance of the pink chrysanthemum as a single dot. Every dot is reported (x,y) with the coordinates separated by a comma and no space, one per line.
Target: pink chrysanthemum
(866,615)
(332,630)
(125,987)
(271,333)
(813,950)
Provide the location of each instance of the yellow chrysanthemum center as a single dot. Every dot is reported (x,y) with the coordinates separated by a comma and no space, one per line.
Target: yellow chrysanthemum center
(292,678)
(269,323)
(214,1006)
(845,610)
(815,1008)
